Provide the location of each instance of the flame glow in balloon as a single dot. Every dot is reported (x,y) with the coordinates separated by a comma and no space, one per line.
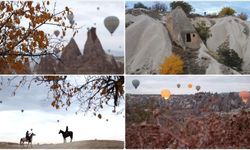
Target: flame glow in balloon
(165,94)
(190,85)
(244,96)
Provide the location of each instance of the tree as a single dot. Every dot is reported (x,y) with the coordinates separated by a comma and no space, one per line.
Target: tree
(229,57)
(203,31)
(92,92)
(160,6)
(186,7)
(227,11)
(172,65)
(21,37)
(243,16)
(140,5)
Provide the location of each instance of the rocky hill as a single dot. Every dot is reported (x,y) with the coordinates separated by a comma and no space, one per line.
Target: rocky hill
(161,37)
(94,59)
(202,120)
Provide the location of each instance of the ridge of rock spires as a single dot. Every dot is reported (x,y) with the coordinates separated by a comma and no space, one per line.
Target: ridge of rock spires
(94,59)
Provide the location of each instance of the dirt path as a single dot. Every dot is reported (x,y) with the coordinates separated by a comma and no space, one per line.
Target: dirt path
(88,144)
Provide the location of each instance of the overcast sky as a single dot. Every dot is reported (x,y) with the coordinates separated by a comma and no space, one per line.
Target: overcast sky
(154,84)
(42,117)
(86,14)
(200,7)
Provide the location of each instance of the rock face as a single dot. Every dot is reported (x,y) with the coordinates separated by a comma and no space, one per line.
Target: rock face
(147,45)
(47,65)
(70,58)
(181,29)
(94,59)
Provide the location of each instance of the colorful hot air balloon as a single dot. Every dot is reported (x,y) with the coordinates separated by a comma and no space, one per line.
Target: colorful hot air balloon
(198,87)
(190,85)
(136,83)
(178,85)
(56,32)
(111,23)
(244,96)
(165,94)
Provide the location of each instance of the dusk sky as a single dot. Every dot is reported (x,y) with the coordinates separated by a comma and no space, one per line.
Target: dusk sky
(154,84)
(42,117)
(87,15)
(200,7)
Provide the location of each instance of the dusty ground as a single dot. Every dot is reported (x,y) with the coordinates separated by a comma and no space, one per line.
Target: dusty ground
(89,144)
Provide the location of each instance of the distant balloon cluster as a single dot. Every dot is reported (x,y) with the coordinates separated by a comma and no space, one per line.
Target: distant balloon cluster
(165,93)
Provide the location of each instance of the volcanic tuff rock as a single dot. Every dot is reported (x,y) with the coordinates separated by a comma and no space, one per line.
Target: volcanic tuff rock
(93,60)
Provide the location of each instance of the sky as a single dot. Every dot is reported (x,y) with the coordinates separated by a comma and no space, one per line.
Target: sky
(219,84)
(209,7)
(87,15)
(42,117)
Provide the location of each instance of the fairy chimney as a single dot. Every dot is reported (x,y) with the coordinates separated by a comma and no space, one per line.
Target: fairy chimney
(47,65)
(70,58)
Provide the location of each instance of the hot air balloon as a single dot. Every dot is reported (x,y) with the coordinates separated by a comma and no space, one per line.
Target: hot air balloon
(70,16)
(178,85)
(244,96)
(111,23)
(58,120)
(190,85)
(136,83)
(198,87)
(98,8)
(56,32)
(1,102)
(22,110)
(165,94)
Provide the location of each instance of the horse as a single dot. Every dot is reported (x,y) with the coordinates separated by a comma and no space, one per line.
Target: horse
(29,140)
(66,134)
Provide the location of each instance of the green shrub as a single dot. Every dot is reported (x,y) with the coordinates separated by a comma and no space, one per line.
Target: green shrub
(243,16)
(140,5)
(186,7)
(227,11)
(203,31)
(229,57)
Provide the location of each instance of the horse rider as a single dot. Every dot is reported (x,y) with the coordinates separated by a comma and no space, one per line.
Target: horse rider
(27,134)
(67,129)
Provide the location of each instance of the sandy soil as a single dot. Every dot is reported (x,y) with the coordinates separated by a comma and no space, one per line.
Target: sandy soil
(88,144)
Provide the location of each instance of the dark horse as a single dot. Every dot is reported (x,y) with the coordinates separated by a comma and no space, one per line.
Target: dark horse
(28,139)
(66,134)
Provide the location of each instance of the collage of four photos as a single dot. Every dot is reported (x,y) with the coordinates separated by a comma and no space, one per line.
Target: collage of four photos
(124,74)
